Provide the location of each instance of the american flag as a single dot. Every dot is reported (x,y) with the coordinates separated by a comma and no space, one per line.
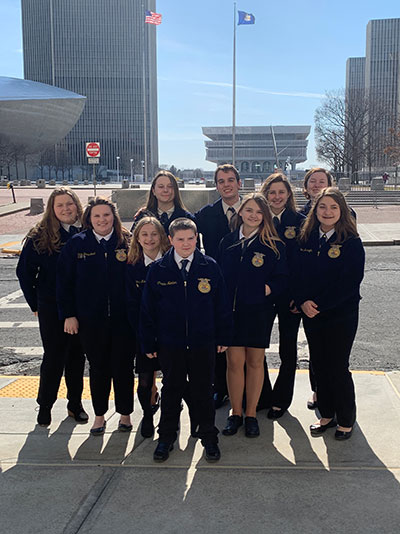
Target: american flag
(153,18)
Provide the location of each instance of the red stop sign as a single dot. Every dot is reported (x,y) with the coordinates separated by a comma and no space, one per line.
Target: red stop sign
(93,150)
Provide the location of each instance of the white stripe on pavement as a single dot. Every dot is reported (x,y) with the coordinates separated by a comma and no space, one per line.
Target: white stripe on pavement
(24,351)
(12,296)
(19,324)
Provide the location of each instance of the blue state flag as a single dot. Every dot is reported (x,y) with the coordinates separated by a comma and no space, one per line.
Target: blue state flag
(246,18)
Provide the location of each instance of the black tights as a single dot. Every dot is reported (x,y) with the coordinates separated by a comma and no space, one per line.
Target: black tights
(144,392)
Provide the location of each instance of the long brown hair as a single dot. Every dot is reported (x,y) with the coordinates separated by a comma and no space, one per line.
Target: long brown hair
(152,203)
(310,173)
(46,233)
(266,231)
(122,233)
(278,177)
(135,253)
(344,228)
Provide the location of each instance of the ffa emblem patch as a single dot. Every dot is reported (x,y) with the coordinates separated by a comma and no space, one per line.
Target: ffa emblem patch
(334,251)
(120,254)
(290,232)
(204,285)
(258,259)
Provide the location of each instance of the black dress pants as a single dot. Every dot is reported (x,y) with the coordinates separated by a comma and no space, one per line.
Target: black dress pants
(282,393)
(110,349)
(197,365)
(330,337)
(61,352)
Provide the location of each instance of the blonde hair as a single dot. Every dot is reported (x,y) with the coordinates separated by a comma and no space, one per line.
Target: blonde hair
(266,231)
(135,253)
(46,233)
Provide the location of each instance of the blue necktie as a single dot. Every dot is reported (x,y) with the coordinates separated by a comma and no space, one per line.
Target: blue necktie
(73,230)
(183,269)
(103,243)
(164,218)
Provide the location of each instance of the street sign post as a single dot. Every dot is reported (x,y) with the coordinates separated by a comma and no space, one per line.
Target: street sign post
(93,156)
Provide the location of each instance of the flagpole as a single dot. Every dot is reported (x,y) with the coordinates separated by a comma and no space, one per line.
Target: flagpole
(145,170)
(234,88)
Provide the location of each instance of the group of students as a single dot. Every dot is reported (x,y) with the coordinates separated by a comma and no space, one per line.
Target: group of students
(101,292)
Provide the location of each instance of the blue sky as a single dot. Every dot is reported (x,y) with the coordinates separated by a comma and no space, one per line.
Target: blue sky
(285,62)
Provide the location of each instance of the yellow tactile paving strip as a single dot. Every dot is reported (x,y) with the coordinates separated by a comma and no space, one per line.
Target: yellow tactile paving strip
(26,387)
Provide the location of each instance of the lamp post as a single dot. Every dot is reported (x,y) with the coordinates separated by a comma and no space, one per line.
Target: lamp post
(143,170)
(131,160)
(118,158)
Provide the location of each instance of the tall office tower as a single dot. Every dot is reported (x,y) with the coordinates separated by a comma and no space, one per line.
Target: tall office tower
(355,74)
(101,49)
(382,73)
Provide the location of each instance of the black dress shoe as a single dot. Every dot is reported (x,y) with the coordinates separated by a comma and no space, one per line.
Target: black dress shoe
(312,405)
(219,400)
(44,416)
(251,427)
(275,414)
(78,413)
(342,435)
(147,426)
(213,454)
(232,425)
(99,430)
(162,451)
(124,428)
(318,429)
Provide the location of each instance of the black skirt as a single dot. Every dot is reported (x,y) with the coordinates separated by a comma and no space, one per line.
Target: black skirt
(145,364)
(252,325)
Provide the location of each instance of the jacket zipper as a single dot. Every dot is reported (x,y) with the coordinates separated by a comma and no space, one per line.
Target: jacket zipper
(186,317)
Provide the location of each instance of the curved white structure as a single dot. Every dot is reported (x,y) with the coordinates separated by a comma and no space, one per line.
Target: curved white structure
(34,115)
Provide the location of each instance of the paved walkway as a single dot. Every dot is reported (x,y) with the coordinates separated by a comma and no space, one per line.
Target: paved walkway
(61,480)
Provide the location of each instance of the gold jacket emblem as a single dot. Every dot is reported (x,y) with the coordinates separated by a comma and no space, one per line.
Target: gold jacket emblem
(120,254)
(290,232)
(258,259)
(334,251)
(204,285)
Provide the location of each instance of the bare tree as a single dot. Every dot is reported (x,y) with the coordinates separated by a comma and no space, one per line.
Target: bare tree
(347,135)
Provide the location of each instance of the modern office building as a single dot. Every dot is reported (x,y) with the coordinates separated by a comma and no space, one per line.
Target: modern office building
(355,74)
(104,50)
(381,72)
(34,116)
(255,152)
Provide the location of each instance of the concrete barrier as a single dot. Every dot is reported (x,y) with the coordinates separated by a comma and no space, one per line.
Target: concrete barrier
(129,201)
(37,206)
(249,183)
(125,184)
(52,182)
(41,183)
(344,184)
(377,184)
(210,183)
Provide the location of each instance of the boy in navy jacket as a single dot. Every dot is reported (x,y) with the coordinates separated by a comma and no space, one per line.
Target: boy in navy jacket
(184,316)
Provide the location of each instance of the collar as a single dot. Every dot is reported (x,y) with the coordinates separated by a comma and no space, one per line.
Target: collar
(328,234)
(178,260)
(235,206)
(241,235)
(148,260)
(106,237)
(77,224)
(168,212)
(279,214)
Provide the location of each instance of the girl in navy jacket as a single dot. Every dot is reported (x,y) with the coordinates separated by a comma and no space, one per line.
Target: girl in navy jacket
(36,272)
(148,244)
(164,201)
(91,298)
(253,261)
(331,262)
(287,222)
